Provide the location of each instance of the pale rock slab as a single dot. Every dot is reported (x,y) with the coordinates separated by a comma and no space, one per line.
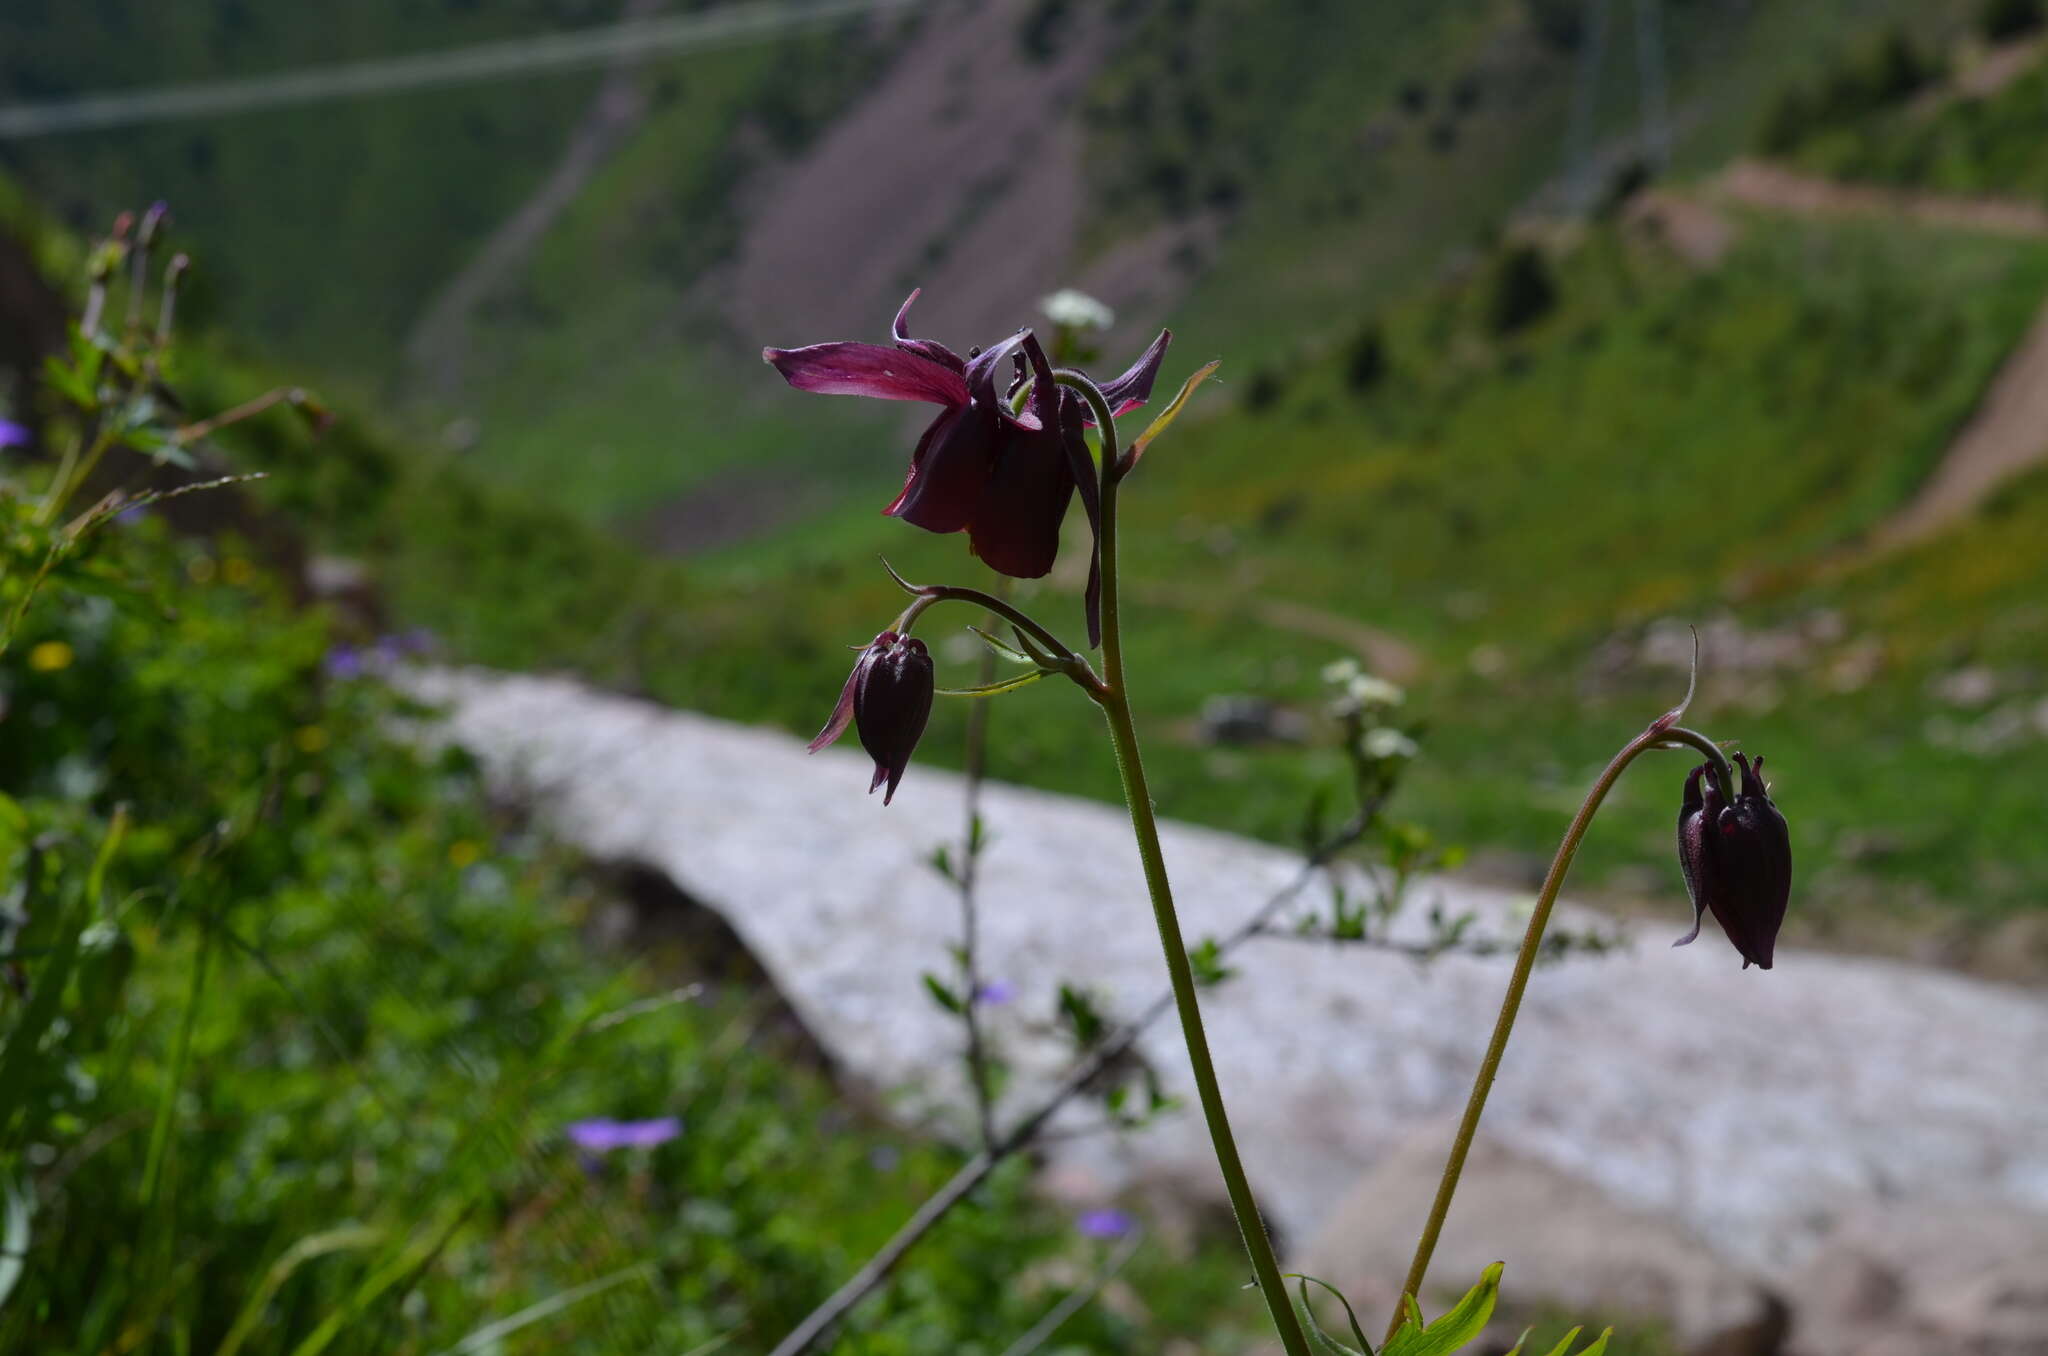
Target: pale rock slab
(1758,1112)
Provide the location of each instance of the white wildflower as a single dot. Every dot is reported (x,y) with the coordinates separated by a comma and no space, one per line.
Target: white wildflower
(1072,307)
(1387,742)
(1368,690)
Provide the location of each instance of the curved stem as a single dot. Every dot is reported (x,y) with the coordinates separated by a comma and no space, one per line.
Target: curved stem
(1105,422)
(928,595)
(975,765)
(1657,736)
(1116,706)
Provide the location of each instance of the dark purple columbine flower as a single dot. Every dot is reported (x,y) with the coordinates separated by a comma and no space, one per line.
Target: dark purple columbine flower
(1737,861)
(602,1134)
(1005,478)
(887,699)
(13,434)
(344,661)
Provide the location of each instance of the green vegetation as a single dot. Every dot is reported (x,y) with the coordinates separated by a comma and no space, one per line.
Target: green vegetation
(1988,145)
(296,1025)
(1667,443)
(298,1019)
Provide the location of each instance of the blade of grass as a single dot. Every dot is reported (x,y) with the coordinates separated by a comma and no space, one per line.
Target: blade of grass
(297,1255)
(487,1337)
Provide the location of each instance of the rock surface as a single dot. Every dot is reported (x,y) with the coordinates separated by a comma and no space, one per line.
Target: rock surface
(1756,1111)
(1562,1241)
(1928,1281)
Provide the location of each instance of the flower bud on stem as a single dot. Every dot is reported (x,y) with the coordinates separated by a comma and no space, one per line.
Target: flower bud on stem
(1664,732)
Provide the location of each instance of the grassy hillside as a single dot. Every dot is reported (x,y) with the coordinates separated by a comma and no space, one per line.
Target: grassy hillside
(1518,508)
(1987,144)
(326,229)
(1665,444)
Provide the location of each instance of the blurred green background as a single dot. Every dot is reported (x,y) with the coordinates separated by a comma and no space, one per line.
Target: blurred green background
(1547,328)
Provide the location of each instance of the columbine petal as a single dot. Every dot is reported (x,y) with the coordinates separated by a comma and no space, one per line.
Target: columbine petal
(930,348)
(949,471)
(1692,850)
(868,370)
(842,714)
(1134,387)
(891,705)
(1737,860)
(981,375)
(1016,530)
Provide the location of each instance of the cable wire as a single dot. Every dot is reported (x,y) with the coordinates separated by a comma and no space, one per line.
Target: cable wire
(726,27)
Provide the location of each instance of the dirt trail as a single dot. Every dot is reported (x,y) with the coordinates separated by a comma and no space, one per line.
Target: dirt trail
(1754,183)
(2007,434)
(439,341)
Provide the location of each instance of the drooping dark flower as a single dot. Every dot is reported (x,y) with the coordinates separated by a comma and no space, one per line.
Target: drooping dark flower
(887,699)
(1004,477)
(1737,860)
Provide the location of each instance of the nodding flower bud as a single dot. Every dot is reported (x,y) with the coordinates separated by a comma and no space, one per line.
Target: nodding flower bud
(887,699)
(1737,860)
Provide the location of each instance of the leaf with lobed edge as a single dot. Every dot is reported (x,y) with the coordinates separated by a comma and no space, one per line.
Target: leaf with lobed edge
(1464,1322)
(1002,649)
(1328,1344)
(993,689)
(1166,416)
(1563,1348)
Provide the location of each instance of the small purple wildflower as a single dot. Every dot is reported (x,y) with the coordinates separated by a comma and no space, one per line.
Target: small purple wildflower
(13,434)
(1105,1223)
(344,661)
(996,992)
(602,1134)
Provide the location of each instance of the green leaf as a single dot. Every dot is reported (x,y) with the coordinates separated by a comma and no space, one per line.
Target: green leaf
(1564,1347)
(942,995)
(1080,1013)
(1315,1327)
(14,1235)
(23,1041)
(1455,1329)
(490,1337)
(1166,416)
(1002,650)
(1206,960)
(994,689)
(298,1254)
(1039,655)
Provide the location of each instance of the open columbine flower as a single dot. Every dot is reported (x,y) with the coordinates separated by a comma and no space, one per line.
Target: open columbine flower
(1003,476)
(1737,861)
(887,699)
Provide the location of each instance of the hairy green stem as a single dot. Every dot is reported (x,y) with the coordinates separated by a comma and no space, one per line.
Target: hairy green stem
(930,595)
(1660,734)
(976,764)
(1116,706)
